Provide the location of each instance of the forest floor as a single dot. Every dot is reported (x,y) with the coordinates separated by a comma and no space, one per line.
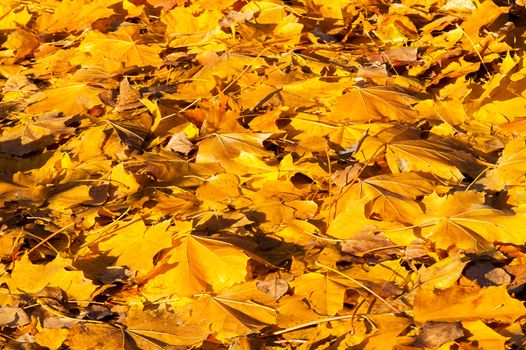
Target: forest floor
(239,174)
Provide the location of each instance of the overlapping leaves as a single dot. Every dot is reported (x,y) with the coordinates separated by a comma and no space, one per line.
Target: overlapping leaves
(262,174)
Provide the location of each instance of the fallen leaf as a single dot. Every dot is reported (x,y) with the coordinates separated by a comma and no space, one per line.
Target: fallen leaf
(276,287)
(433,334)
(13,317)
(467,304)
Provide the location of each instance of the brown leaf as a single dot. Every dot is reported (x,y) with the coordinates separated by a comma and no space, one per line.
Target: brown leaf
(276,287)
(434,334)
(128,97)
(13,317)
(486,274)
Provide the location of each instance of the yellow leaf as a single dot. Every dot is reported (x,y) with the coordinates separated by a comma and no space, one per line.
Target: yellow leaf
(165,327)
(231,317)
(462,220)
(405,151)
(509,170)
(389,197)
(228,150)
(387,330)
(374,104)
(288,31)
(79,195)
(51,338)
(221,187)
(485,14)
(352,220)
(467,304)
(135,245)
(98,335)
(22,42)
(12,17)
(70,99)
(198,264)
(124,180)
(74,15)
(443,274)
(123,46)
(190,20)
(324,294)
(485,336)
(27,277)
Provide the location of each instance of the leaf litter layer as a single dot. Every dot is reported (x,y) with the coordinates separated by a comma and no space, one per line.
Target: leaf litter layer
(271,174)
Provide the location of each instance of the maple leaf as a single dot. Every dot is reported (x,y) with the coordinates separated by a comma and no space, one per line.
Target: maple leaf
(197,264)
(13,16)
(125,243)
(509,170)
(324,294)
(390,197)
(85,13)
(201,194)
(27,277)
(404,151)
(388,328)
(462,220)
(373,103)
(343,228)
(32,134)
(122,45)
(231,317)
(98,334)
(443,274)
(467,304)
(484,335)
(237,153)
(70,99)
(143,326)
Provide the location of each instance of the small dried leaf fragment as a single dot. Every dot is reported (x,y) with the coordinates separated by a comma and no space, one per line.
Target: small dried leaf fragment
(486,274)
(179,143)
(364,243)
(276,287)
(13,317)
(128,97)
(119,274)
(433,334)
